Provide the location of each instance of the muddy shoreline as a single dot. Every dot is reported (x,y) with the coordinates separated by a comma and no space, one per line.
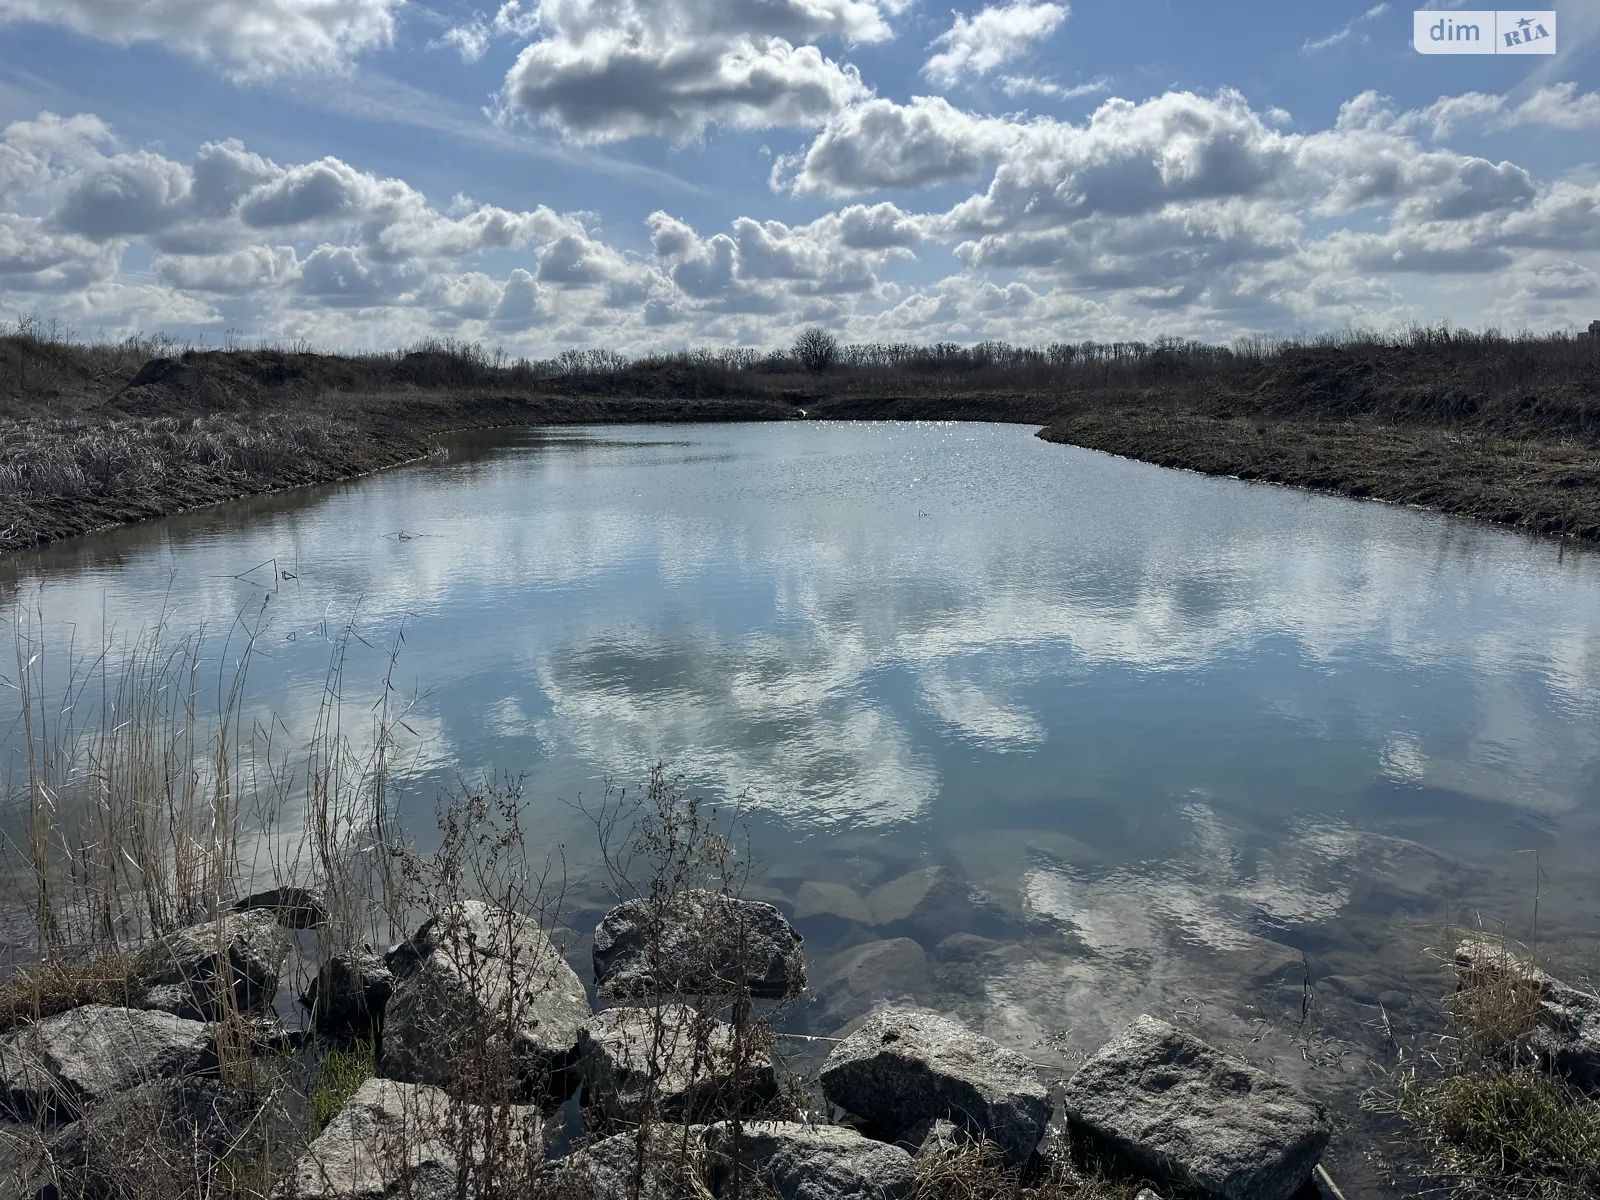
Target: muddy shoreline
(359,440)
(1548,487)
(1544,483)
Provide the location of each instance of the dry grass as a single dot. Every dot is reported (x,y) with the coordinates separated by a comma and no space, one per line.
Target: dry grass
(31,993)
(1499,1133)
(1494,1122)
(74,458)
(969,1169)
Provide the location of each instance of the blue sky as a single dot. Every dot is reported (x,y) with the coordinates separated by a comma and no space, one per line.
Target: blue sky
(641,174)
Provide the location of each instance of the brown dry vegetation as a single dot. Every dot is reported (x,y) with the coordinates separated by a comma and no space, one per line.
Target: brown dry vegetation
(1502,428)
(1495,1123)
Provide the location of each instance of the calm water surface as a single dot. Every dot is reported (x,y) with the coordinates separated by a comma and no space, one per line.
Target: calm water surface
(1198,741)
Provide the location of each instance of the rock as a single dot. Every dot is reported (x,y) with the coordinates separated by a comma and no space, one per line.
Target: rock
(810,1162)
(933,1136)
(831,900)
(483,986)
(1180,1109)
(607,1169)
(292,907)
(189,972)
(908,1065)
(1565,1022)
(58,1067)
(26,1172)
(859,980)
(1354,987)
(399,1139)
(1147,1194)
(156,1139)
(966,948)
(350,992)
(932,904)
(695,1069)
(701,942)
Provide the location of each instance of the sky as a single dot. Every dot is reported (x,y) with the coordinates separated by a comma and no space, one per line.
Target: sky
(641,175)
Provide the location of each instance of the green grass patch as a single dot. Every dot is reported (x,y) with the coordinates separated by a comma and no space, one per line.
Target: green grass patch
(1512,1133)
(339,1074)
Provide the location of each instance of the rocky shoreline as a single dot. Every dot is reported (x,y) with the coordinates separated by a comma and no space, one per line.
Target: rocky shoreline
(480,985)
(486,1042)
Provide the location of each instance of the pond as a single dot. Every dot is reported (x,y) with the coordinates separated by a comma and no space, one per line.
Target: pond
(1033,735)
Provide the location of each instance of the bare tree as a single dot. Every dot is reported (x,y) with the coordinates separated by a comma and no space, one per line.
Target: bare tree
(816,349)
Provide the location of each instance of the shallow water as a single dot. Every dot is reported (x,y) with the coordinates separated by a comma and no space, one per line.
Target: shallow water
(1211,749)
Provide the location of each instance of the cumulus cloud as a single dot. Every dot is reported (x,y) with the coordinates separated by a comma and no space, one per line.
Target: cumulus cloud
(1559,106)
(1199,212)
(249,38)
(882,144)
(996,35)
(606,70)
(609,87)
(764,266)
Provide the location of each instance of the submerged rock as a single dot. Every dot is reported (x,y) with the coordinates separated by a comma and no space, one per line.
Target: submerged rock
(905,1065)
(399,1139)
(59,1067)
(834,901)
(293,907)
(1181,1109)
(810,1162)
(934,903)
(704,944)
(483,989)
(861,979)
(695,1070)
(350,992)
(1565,1022)
(191,972)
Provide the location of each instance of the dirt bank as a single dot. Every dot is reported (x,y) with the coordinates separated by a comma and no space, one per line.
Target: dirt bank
(1504,429)
(70,476)
(1543,485)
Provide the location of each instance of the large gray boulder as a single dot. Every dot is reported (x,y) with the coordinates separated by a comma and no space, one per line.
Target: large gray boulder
(351,991)
(191,972)
(906,1065)
(406,1140)
(1564,1023)
(667,1165)
(482,997)
(158,1138)
(692,1058)
(1181,1109)
(809,1162)
(699,943)
(66,1063)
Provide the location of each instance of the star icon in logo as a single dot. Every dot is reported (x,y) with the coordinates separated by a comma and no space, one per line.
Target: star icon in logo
(1525,22)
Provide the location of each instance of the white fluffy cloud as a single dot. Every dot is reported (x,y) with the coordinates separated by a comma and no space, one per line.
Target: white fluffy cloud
(882,144)
(1187,212)
(606,70)
(250,38)
(996,35)
(1559,106)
